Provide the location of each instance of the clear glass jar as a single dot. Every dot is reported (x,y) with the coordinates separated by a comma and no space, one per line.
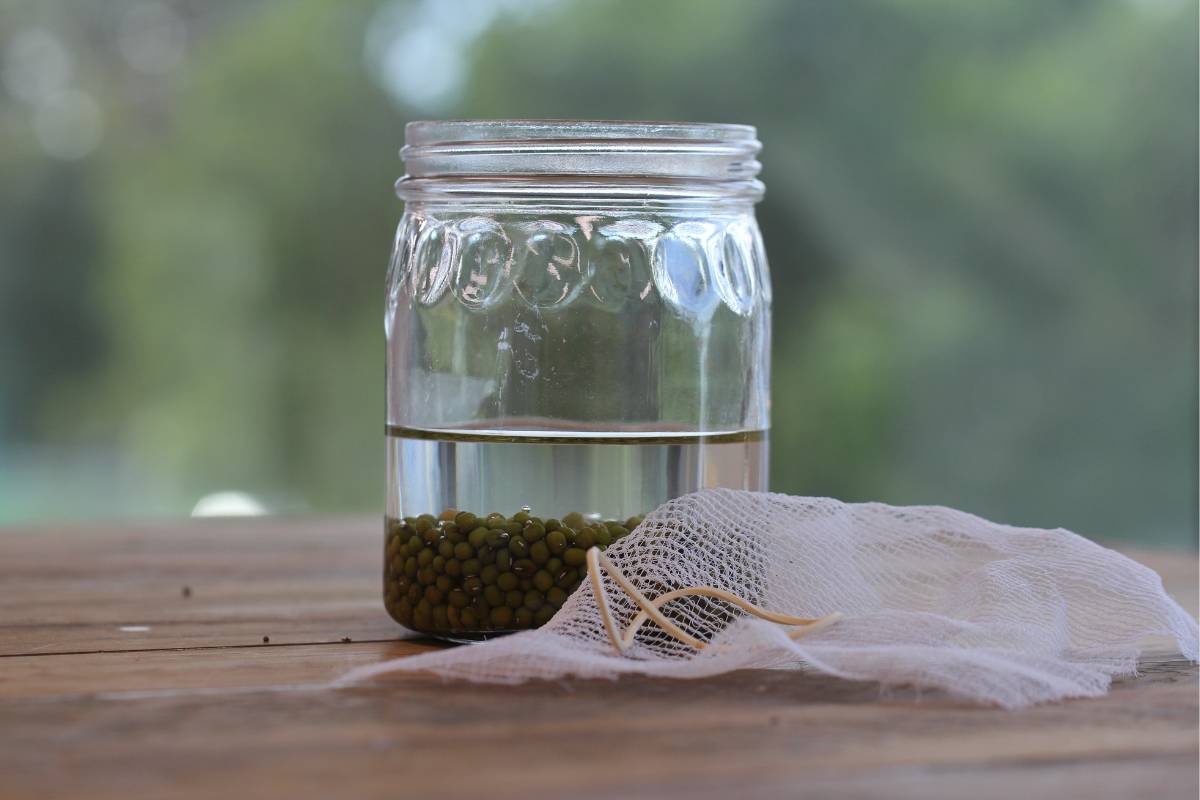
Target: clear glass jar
(578,329)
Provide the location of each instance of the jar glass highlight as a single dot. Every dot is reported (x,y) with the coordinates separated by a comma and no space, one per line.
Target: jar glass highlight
(578,330)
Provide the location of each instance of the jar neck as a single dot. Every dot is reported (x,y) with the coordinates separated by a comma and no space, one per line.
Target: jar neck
(578,162)
(560,193)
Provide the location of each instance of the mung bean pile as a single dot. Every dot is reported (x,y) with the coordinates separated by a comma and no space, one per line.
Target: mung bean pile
(462,575)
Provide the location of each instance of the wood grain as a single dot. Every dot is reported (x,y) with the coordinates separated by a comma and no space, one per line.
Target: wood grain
(294,581)
(198,706)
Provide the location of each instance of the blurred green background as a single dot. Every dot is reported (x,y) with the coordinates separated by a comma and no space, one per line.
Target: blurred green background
(981,221)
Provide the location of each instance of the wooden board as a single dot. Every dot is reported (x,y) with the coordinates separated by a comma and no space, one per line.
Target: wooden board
(90,590)
(113,683)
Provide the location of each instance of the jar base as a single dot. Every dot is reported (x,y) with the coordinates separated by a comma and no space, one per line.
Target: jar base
(459,637)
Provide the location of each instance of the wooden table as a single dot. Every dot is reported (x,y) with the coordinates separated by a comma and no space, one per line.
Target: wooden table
(188,660)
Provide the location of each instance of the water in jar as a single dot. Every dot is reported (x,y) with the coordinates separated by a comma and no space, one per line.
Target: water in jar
(487,529)
(609,475)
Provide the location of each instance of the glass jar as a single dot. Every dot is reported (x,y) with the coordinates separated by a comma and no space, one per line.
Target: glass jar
(578,329)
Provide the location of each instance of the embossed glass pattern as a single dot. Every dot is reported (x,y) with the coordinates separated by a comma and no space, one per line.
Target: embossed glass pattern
(577,320)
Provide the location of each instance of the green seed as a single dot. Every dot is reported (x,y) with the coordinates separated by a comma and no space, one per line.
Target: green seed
(567,579)
(463,572)
(477,537)
(441,620)
(557,542)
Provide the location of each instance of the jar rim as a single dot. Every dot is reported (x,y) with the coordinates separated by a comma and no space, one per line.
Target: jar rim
(595,149)
(434,132)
